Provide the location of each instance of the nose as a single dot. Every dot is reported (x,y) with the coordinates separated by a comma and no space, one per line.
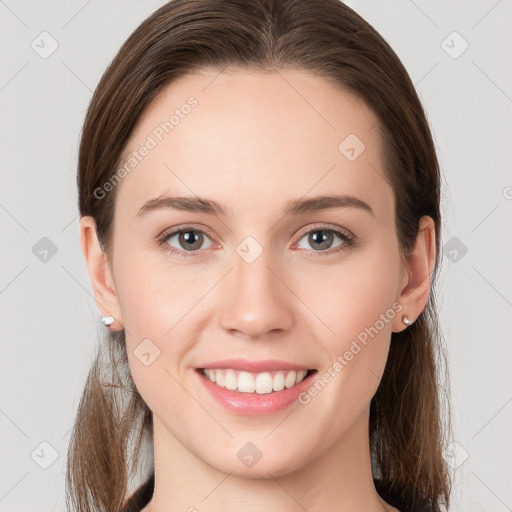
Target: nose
(256,302)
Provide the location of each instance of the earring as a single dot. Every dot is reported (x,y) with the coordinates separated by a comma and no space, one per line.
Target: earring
(406,320)
(107,320)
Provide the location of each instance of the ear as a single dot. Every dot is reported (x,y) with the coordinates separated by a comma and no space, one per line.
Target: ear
(418,274)
(99,272)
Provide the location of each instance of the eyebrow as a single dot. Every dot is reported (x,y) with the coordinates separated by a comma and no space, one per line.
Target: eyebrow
(211,207)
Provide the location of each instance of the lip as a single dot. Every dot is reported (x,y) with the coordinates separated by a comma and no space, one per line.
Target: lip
(252,404)
(267,365)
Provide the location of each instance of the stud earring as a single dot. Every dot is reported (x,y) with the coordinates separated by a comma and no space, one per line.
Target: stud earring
(406,320)
(107,320)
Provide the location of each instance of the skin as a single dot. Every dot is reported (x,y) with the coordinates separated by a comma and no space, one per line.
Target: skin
(254,142)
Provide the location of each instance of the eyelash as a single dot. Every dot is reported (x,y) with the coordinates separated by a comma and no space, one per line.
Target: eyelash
(349,241)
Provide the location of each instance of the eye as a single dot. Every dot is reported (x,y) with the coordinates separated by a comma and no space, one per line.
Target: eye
(321,238)
(188,239)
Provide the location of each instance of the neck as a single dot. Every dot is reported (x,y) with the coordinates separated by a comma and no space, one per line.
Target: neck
(339,479)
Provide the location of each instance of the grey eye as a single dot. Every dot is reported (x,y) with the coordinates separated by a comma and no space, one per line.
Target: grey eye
(321,239)
(188,239)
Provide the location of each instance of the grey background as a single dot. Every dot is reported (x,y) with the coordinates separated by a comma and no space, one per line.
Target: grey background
(49,322)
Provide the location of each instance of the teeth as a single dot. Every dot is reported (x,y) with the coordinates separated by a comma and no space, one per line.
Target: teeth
(220,379)
(290,379)
(231,380)
(261,383)
(246,383)
(278,383)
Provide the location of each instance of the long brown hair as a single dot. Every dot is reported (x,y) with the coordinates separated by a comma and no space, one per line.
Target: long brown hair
(408,432)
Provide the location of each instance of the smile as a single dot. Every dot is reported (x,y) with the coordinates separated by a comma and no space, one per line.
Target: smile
(256,383)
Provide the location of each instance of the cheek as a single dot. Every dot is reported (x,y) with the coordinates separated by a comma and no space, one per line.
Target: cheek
(155,295)
(155,303)
(164,308)
(357,305)
(351,298)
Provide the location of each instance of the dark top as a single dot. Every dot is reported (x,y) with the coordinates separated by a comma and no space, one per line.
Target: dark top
(142,496)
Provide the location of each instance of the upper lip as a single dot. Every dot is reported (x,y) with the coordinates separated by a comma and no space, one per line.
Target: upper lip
(254,366)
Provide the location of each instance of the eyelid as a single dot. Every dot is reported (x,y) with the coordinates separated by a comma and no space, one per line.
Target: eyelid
(326,227)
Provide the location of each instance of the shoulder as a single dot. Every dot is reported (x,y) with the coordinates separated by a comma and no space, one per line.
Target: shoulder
(395,501)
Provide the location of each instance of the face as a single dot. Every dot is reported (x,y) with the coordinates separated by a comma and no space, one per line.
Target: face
(266,279)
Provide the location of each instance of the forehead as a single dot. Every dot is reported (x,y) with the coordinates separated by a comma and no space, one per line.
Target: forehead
(247,138)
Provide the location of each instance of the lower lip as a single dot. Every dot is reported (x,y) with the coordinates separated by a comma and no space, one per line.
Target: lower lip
(252,404)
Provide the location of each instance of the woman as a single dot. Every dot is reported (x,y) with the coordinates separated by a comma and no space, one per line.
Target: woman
(259,197)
